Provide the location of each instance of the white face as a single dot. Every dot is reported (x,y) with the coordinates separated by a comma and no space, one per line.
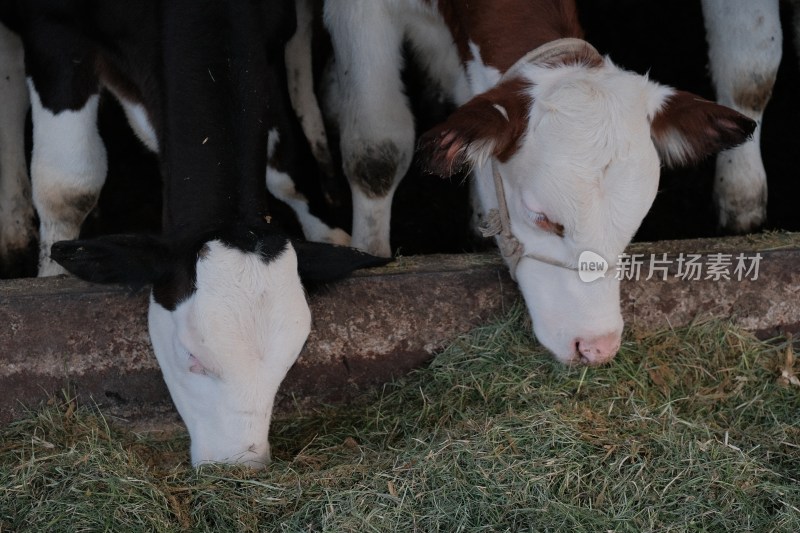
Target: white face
(588,164)
(225,350)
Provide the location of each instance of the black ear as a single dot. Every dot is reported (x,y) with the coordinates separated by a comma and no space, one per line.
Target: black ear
(320,262)
(135,260)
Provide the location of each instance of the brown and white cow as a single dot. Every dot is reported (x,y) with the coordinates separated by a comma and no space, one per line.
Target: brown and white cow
(561,141)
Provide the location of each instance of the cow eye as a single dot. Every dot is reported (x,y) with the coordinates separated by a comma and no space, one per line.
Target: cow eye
(196,367)
(541,221)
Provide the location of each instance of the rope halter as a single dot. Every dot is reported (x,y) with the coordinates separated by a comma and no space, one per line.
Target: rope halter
(497,222)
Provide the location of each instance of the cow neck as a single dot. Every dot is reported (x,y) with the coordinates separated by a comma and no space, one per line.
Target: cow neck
(215,126)
(505,30)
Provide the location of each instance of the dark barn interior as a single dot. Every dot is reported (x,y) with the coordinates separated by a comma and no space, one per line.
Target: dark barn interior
(431,215)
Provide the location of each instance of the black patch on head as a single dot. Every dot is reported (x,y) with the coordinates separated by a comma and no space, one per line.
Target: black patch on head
(181,282)
(170,265)
(262,240)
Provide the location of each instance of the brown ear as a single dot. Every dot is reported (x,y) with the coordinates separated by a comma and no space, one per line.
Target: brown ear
(688,128)
(491,124)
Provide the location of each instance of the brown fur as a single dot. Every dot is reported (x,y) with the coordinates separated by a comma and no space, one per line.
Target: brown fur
(706,126)
(756,94)
(445,147)
(505,30)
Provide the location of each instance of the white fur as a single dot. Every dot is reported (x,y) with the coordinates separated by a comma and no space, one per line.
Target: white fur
(244,326)
(16,208)
(374,222)
(301,85)
(744,48)
(140,123)
(434,50)
(273,141)
(68,161)
(481,77)
(138,119)
(367,38)
(282,187)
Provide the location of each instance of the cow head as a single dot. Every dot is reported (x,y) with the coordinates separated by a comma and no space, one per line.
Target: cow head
(579,148)
(228,317)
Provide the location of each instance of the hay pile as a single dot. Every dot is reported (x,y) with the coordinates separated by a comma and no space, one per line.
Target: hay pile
(695,429)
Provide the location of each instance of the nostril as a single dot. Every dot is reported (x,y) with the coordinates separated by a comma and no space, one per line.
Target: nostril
(577,354)
(598,350)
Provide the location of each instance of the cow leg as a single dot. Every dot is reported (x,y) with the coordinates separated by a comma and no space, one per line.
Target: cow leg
(281,185)
(744,47)
(376,125)
(17,230)
(298,58)
(68,169)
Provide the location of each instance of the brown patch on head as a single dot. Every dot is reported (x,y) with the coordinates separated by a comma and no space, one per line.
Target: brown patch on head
(491,124)
(756,93)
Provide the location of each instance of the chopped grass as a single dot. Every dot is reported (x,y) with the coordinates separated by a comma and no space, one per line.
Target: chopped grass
(688,430)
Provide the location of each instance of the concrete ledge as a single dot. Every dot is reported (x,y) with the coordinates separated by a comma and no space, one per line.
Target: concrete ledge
(62,333)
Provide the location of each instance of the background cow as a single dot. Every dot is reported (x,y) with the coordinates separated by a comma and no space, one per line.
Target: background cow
(199,83)
(17,232)
(745,49)
(577,143)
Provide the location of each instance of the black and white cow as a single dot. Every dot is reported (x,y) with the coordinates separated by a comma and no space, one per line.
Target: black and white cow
(564,145)
(198,82)
(292,176)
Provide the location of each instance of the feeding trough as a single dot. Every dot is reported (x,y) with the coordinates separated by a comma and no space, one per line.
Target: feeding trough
(61,333)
